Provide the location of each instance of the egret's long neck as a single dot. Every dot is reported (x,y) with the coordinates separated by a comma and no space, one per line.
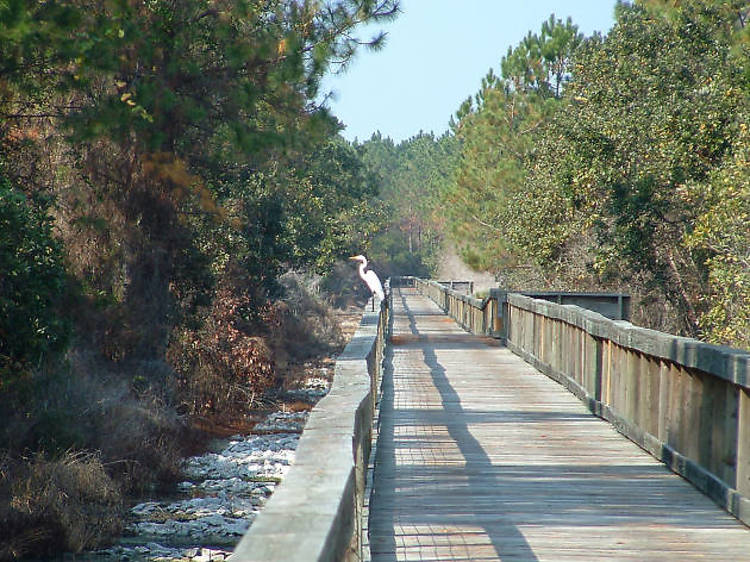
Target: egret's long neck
(362,267)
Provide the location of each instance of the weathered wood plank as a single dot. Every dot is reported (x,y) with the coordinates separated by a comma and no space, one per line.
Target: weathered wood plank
(480,457)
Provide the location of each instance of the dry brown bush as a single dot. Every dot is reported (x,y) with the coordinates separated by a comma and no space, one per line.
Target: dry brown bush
(224,366)
(228,365)
(70,503)
(311,327)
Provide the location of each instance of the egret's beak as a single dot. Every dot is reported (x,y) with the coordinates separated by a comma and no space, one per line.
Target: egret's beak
(353,258)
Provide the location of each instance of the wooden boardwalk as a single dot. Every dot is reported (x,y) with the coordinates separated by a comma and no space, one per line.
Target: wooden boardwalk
(481,457)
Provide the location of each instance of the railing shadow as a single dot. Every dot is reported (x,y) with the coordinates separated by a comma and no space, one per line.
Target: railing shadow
(385,457)
(598,498)
(478,464)
(475,471)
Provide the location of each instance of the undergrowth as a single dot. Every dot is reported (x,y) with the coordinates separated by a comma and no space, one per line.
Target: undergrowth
(84,434)
(69,502)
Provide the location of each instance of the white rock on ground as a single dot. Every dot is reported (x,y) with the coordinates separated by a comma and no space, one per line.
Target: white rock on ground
(223,495)
(280,422)
(312,389)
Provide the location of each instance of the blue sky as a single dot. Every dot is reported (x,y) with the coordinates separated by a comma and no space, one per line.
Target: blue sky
(436,54)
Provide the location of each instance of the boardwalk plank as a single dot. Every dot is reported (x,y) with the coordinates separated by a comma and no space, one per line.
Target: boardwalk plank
(480,457)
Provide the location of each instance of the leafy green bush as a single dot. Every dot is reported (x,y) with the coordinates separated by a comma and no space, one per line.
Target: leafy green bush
(721,231)
(32,283)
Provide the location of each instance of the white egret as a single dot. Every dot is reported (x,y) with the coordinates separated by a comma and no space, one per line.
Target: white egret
(370,278)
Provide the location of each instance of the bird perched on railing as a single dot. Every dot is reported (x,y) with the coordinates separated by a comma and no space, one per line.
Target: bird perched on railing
(370,278)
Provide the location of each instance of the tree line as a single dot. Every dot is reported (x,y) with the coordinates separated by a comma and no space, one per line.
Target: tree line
(616,162)
(162,164)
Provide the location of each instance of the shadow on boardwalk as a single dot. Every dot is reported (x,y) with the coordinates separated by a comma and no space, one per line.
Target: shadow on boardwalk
(473,473)
(482,458)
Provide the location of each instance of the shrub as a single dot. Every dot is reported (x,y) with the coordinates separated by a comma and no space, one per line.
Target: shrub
(138,434)
(310,327)
(48,504)
(343,287)
(32,283)
(145,441)
(224,366)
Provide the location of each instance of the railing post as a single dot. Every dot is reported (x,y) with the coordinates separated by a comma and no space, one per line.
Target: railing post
(743,443)
(499,327)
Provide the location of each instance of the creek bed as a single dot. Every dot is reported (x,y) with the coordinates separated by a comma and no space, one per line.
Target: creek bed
(223,492)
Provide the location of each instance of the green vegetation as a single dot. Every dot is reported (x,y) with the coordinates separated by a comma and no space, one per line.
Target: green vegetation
(162,164)
(498,130)
(618,162)
(31,287)
(413,176)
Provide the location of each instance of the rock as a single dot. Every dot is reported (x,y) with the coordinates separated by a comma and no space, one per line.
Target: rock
(216,520)
(234,484)
(146,508)
(279,422)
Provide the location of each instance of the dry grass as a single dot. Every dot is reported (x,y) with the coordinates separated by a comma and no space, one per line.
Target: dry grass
(69,503)
(65,501)
(144,442)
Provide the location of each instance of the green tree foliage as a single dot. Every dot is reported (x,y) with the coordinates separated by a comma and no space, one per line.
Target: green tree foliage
(165,73)
(336,209)
(413,176)
(154,115)
(305,216)
(541,62)
(631,176)
(651,113)
(32,286)
(721,232)
(497,130)
(734,13)
(735,16)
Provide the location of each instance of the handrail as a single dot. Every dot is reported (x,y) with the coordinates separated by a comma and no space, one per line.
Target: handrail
(615,306)
(684,401)
(316,513)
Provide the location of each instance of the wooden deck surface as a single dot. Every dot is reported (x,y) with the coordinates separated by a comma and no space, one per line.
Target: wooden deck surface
(481,457)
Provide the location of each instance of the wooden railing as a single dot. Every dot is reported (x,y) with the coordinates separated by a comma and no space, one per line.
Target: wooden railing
(615,306)
(685,402)
(479,316)
(465,287)
(316,513)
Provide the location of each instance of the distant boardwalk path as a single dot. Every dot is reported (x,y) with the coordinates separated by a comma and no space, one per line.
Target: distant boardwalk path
(480,457)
